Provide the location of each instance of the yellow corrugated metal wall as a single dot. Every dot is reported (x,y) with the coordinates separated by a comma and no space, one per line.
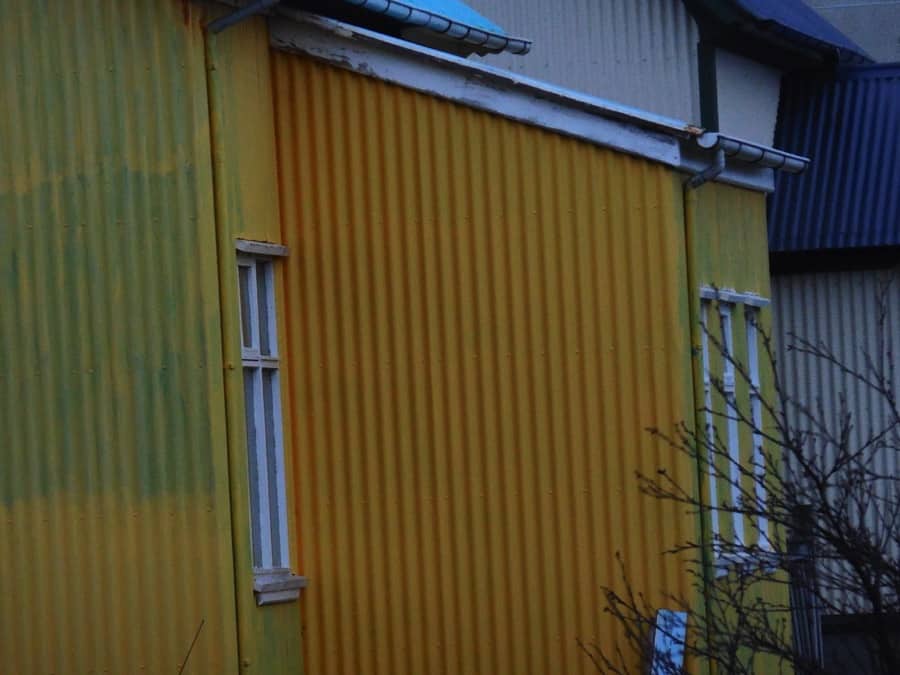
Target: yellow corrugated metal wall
(247,208)
(483,318)
(728,245)
(115,539)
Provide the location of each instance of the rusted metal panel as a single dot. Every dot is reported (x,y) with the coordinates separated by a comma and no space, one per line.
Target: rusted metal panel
(483,318)
(640,52)
(115,548)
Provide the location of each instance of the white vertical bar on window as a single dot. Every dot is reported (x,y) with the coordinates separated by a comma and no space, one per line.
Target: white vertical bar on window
(267,317)
(262,470)
(710,425)
(752,316)
(734,442)
(280,473)
(253,310)
(244,302)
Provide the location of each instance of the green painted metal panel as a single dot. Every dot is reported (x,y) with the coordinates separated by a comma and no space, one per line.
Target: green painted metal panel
(116,539)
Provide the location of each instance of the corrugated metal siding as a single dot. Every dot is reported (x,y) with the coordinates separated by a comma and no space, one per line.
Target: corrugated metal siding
(641,52)
(242,116)
(115,537)
(483,320)
(840,309)
(727,249)
(850,195)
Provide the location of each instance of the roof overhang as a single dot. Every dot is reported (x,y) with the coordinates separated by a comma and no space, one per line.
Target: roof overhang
(635,132)
(447,25)
(733,25)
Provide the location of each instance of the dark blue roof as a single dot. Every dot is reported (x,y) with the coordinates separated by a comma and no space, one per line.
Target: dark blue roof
(798,20)
(850,195)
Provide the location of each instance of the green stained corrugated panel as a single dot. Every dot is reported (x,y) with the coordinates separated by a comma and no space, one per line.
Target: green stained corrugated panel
(116,539)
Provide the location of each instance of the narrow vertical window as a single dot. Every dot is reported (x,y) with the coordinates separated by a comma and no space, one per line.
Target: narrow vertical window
(261,364)
(751,315)
(726,303)
(265,449)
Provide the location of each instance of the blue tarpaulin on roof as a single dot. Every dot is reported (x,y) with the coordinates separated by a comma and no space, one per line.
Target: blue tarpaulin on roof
(850,195)
(457,11)
(451,18)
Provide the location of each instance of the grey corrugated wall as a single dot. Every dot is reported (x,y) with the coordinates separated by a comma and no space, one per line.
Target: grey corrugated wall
(639,52)
(841,310)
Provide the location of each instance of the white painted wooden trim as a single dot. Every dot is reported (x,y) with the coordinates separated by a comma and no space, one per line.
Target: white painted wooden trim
(479,86)
(751,318)
(260,367)
(732,296)
(277,585)
(636,132)
(261,248)
(710,429)
(731,424)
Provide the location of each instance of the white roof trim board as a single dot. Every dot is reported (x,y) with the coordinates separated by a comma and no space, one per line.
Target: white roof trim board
(605,123)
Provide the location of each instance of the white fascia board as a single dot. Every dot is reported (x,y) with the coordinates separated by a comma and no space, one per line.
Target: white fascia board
(473,84)
(478,86)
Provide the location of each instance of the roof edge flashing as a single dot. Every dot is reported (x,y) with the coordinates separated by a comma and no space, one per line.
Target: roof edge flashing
(473,84)
(386,48)
(480,38)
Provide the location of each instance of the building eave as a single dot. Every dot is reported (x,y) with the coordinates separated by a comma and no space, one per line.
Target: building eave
(668,141)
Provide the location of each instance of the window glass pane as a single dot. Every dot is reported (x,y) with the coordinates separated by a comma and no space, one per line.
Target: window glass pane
(250,394)
(264,294)
(246,319)
(275,480)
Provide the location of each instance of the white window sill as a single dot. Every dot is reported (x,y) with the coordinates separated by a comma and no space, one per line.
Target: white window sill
(274,586)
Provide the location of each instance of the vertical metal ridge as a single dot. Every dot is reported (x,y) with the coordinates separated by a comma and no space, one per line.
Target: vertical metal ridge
(838,309)
(825,208)
(469,303)
(114,466)
(609,49)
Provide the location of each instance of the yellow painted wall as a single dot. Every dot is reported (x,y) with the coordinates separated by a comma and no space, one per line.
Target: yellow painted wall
(115,535)
(247,208)
(726,233)
(483,319)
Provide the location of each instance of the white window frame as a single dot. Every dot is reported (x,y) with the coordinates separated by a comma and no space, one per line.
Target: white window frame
(261,366)
(727,302)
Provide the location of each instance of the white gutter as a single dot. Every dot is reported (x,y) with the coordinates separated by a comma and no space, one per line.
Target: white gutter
(753,153)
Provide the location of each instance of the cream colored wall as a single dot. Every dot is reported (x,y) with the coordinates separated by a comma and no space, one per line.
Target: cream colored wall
(748,97)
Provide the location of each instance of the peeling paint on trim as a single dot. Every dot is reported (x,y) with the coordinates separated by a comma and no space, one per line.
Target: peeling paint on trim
(482,87)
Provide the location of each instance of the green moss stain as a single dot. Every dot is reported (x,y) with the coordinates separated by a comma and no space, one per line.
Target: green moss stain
(109,326)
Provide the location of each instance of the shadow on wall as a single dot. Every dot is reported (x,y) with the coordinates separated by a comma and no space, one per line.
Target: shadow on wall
(846,642)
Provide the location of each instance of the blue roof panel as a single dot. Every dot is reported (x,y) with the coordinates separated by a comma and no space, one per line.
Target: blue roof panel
(450,18)
(457,11)
(796,17)
(850,195)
